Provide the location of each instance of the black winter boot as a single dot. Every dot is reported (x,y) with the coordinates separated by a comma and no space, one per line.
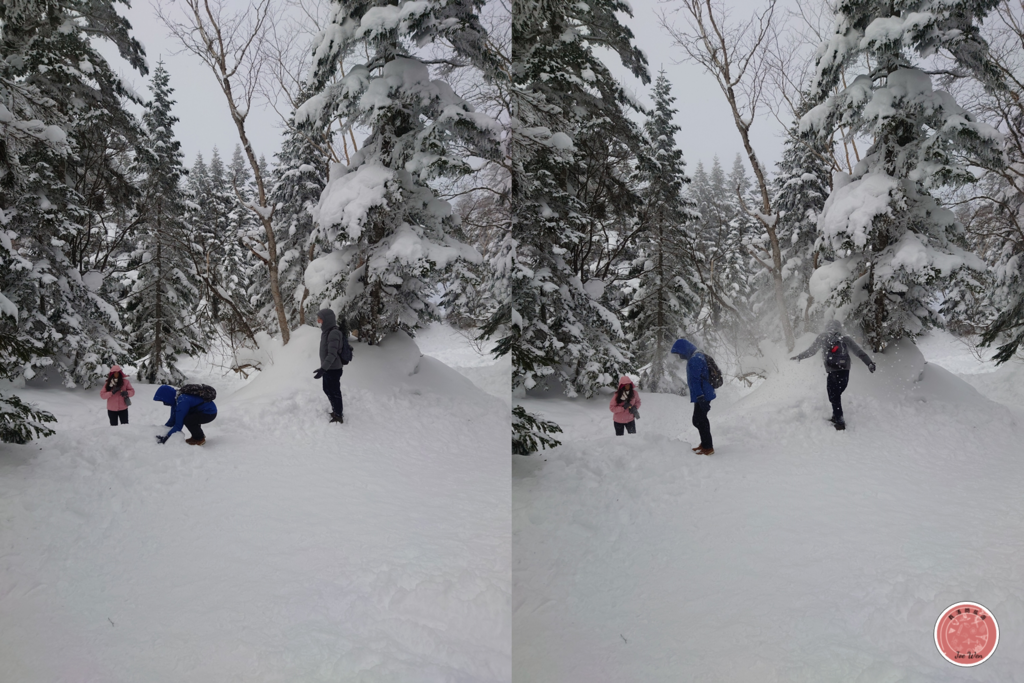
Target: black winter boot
(337,418)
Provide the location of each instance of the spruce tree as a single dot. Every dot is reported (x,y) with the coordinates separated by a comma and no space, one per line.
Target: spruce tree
(570,121)
(896,247)
(802,183)
(385,236)
(50,69)
(666,299)
(298,180)
(162,307)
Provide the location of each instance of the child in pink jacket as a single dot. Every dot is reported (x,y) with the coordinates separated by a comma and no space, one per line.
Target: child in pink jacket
(624,406)
(116,389)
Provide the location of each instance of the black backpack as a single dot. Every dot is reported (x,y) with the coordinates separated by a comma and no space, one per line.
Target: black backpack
(837,356)
(203,391)
(714,374)
(346,350)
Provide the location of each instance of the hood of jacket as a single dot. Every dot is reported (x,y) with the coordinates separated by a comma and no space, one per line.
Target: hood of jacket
(165,394)
(834,327)
(328,318)
(624,380)
(116,368)
(683,348)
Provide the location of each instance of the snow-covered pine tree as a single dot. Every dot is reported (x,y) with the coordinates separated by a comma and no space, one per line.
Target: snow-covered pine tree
(384,235)
(896,246)
(20,422)
(50,69)
(743,228)
(718,256)
(162,307)
(297,182)
(802,183)
(667,293)
(569,117)
(242,258)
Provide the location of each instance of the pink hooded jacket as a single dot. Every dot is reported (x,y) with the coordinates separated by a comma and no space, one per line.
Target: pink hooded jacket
(115,401)
(620,413)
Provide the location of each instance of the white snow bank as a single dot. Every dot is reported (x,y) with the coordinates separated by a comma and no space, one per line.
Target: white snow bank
(795,553)
(285,549)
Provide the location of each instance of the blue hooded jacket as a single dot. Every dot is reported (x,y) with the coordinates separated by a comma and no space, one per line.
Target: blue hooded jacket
(181,406)
(697,376)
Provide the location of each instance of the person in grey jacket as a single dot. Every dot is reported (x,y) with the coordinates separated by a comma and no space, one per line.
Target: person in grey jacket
(835,350)
(332,340)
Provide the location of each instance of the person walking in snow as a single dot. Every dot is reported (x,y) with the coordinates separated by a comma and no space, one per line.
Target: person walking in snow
(698,379)
(625,407)
(333,340)
(187,410)
(117,390)
(835,352)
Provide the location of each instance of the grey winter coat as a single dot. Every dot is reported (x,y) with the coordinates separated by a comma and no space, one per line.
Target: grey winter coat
(331,341)
(833,332)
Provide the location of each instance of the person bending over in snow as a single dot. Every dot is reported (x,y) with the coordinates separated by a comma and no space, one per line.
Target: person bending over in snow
(116,389)
(187,410)
(333,339)
(835,352)
(625,407)
(698,379)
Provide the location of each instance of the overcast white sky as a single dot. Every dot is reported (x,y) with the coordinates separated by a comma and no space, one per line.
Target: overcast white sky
(201,107)
(705,119)
(704,116)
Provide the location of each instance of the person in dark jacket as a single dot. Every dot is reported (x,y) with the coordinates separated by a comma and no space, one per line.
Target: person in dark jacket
(835,350)
(332,339)
(698,379)
(186,411)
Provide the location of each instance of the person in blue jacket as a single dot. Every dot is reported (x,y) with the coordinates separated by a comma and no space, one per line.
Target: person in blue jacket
(701,392)
(186,411)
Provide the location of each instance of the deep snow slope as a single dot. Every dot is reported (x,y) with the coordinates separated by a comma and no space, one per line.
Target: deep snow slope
(285,549)
(796,553)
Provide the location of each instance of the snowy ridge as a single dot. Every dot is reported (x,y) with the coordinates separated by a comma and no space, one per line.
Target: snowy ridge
(796,553)
(286,548)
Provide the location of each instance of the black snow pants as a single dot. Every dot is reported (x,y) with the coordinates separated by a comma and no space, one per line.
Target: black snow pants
(194,421)
(116,415)
(836,385)
(703,425)
(332,387)
(621,427)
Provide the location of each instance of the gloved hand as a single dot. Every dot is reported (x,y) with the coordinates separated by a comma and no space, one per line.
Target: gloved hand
(318,374)
(124,394)
(871,367)
(162,439)
(794,358)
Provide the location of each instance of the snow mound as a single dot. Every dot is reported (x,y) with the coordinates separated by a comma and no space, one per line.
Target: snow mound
(285,549)
(395,365)
(795,553)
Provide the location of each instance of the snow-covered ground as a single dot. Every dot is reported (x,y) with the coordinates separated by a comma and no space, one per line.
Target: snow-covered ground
(285,549)
(795,553)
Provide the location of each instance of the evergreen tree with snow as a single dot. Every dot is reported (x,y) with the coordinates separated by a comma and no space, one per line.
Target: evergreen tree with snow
(667,296)
(570,126)
(162,307)
(894,245)
(297,181)
(52,215)
(802,183)
(212,221)
(384,236)
(718,255)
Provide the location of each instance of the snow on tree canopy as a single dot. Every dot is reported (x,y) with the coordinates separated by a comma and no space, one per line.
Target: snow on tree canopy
(897,244)
(852,208)
(388,239)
